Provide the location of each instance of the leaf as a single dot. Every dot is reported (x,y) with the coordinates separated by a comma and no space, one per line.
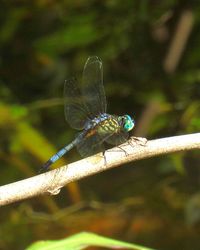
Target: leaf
(82,241)
(74,35)
(11,24)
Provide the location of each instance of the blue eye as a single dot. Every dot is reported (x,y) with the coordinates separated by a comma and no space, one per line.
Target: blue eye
(128,123)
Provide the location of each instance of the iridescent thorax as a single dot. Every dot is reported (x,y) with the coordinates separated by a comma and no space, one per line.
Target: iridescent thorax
(110,124)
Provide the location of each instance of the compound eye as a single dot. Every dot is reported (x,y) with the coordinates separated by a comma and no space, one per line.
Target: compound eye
(128,124)
(124,123)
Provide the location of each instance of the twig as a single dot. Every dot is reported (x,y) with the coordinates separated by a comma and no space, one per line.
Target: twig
(135,149)
(179,41)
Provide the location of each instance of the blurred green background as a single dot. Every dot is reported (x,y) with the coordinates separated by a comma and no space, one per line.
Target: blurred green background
(151,56)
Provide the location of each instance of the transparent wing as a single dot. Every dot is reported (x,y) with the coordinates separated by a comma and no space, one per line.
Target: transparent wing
(92,86)
(74,108)
(118,138)
(91,145)
(94,144)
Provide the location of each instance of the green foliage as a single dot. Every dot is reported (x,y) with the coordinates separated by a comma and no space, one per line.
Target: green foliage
(77,34)
(83,241)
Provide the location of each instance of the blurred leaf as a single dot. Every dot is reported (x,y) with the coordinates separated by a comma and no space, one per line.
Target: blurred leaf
(195,123)
(77,34)
(192,210)
(190,118)
(34,142)
(159,123)
(11,24)
(18,111)
(82,241)
(178,162)
(25,138)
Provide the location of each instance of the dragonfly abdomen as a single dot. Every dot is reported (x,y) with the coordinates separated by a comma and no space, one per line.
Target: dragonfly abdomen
(60,153)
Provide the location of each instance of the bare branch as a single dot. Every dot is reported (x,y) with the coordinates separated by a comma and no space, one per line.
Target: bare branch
(179,41)
(135,149)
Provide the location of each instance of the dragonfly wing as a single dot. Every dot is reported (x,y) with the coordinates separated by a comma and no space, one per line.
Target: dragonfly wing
(75,109)
(117,138)
(92,86)
(91,145)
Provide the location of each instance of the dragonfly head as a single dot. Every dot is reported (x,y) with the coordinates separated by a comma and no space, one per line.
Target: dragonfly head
(127,123)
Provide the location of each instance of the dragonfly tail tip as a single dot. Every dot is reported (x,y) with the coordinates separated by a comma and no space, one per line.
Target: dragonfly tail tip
(45,167)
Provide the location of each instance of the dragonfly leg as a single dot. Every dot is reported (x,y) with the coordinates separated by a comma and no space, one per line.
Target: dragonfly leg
(120,149)
(137,141)
(126,154)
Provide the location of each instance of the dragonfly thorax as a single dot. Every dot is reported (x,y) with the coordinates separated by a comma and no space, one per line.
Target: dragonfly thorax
(106,123)
(96,121)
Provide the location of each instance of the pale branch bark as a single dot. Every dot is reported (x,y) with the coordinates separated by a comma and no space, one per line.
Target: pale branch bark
(134,149)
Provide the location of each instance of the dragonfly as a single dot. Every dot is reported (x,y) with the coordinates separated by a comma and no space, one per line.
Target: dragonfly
(85,110)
